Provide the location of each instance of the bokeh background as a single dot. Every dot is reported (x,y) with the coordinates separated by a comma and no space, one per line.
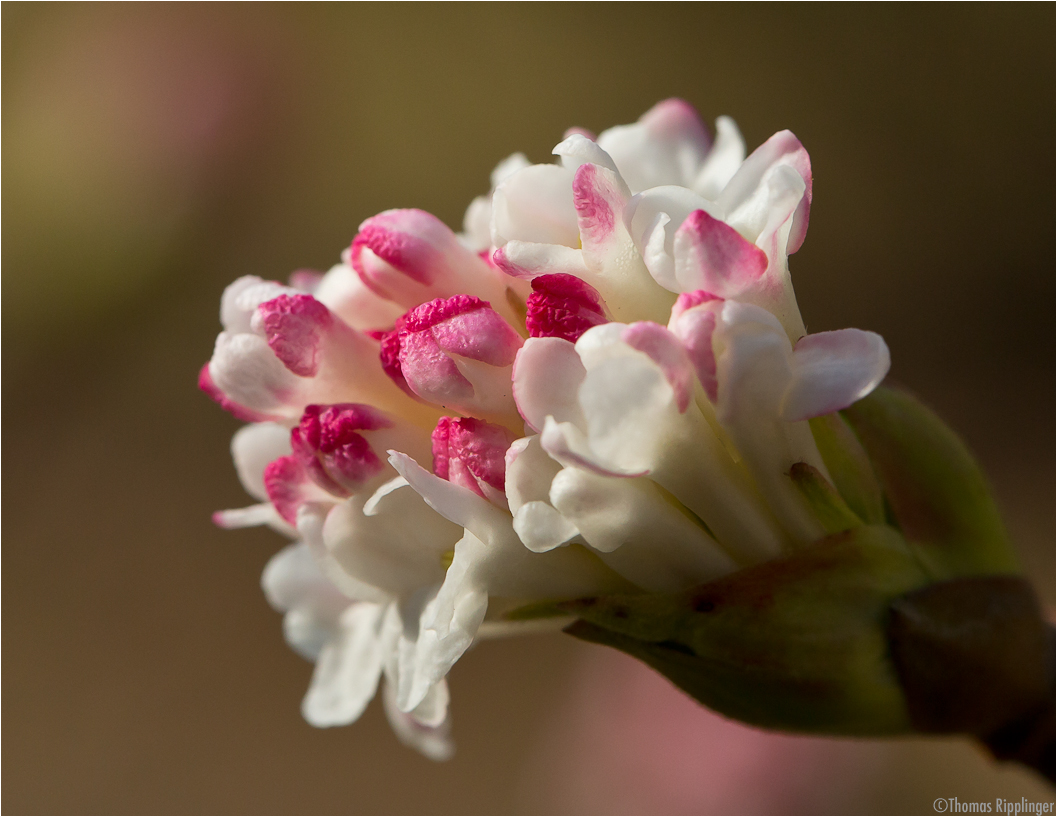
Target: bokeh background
(153,153)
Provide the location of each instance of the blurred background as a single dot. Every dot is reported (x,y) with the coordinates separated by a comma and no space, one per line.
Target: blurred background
(153,153)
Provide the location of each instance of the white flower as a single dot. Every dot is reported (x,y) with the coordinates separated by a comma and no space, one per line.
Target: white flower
(599,386)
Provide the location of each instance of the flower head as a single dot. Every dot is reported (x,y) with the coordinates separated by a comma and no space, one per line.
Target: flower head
(603,385)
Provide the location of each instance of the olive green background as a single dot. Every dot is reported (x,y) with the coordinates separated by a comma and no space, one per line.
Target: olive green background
(153,153)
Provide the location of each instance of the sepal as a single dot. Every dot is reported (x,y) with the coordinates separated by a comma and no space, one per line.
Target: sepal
(796,644)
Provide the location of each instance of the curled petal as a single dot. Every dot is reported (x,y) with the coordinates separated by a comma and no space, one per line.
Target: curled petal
(652,218)
(600,197)
(617,269)
(296,353)
(529,472)
(294,326)
(832,370)
(526,260)
(541,527)
(244,371)
(747,184)
(570,446)
(242,297)
(393,540)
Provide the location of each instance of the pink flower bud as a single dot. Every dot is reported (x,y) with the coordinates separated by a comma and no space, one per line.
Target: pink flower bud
(456,353)
(410,256)
(334,453)
(288,485)
(472,453)
(563,306)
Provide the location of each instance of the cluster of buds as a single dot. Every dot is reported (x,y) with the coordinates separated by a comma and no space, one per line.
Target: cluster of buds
(601,388)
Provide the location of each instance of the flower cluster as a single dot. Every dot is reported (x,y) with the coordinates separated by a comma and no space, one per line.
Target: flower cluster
(599,386)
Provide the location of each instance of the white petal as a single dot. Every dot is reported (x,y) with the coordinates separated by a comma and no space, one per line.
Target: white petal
(546,377)
(311,518)
(349,667)
(576,149)
(460,505)
(644,536)
(634,426)
(782,149)
(832,370)
(307,633)
(242,297)
(293,578)
(251,517)
(246,370)
(666,146)
(630,408)
(570,446)
(754,371)
(399,548)
(477,224)
(433,710)
(535,204)
(344,293)
(507,168)
(541,527)
(252,448)
(446,628)
(618,271)
(529,472)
